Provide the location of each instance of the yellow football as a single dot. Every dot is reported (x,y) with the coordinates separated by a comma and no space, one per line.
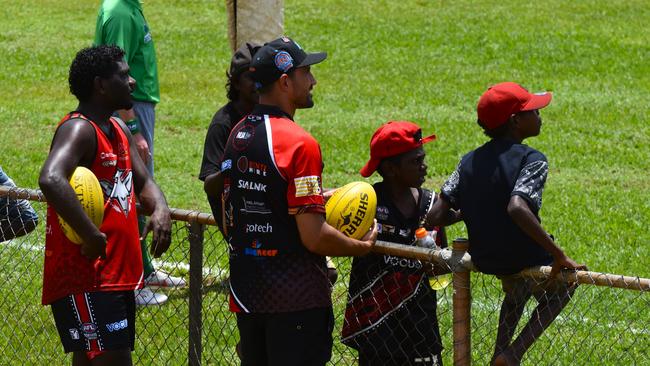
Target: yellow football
(351,209)
(90,195)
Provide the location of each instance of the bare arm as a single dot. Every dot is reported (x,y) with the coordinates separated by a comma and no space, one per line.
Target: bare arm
(152,200)
(321,238)
(524,218)
(140,143)
(213,185)
(73,145)
(441,214)
(328,193)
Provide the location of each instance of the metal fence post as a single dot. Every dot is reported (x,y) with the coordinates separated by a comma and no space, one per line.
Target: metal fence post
(196,293)
(462,302)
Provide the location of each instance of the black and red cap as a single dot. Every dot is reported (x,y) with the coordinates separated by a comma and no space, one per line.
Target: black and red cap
(279,57)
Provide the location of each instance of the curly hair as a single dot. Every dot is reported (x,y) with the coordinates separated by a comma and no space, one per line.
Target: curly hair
(496,132)
(231,91)
(89,63)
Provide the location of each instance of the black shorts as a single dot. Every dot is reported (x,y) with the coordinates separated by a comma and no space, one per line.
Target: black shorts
(96,321)
(301,338)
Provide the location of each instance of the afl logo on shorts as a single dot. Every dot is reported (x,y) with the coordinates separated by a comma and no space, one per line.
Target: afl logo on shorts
(243,136)
(283,61)
(89,330)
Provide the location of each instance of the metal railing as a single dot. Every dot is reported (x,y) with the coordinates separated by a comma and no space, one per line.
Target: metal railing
(606,322)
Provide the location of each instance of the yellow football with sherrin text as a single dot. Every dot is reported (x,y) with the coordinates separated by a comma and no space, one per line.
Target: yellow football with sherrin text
(351,209)
(90,195)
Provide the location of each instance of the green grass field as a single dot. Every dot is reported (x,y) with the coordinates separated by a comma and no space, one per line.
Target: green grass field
(425,61)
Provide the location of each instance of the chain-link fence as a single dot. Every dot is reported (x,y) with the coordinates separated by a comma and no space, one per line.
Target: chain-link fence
(598,326)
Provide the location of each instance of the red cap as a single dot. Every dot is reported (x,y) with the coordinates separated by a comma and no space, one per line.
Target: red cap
(393,138)
(503,100)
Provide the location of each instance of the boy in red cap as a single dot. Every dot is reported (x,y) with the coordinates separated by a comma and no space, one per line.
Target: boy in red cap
(391,317)
(498,188)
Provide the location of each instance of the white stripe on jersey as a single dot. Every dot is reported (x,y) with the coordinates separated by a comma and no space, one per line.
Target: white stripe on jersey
(234,296)
(269,140)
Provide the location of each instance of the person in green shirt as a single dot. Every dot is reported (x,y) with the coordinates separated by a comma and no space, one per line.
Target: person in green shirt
(122,23)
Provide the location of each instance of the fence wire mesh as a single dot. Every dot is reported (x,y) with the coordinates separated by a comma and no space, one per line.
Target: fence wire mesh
(598,326)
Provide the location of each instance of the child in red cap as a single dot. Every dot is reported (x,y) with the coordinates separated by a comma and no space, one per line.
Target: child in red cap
(391,317)
(498,189)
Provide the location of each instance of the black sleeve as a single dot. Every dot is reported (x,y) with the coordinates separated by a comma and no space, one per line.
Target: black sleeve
(450,190)
(531,180)
(215,144)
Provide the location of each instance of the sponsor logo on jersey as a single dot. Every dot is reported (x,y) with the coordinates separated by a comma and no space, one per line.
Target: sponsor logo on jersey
(389,229)
(255,207)
(251,186)
(257,228)
(226,165)
(247,166)
(360,214)
(256,250)
(74,333)
(402,262)
(109,163)
(307,186)
(283,61)
(122,152)
(243,135)
(118,325)
(89,330)
(108,159)
(147,34)
(382,212)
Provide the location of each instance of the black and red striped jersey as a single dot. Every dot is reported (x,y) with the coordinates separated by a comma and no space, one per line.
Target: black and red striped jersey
(389,293)
(272,171)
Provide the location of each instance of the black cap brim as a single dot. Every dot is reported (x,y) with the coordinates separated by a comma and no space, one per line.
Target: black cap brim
(313,58)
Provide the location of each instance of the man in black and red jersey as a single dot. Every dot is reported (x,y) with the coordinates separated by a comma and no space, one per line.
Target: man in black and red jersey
(90,286)
(274,219)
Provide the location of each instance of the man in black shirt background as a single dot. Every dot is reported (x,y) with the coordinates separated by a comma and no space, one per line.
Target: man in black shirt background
(242,96)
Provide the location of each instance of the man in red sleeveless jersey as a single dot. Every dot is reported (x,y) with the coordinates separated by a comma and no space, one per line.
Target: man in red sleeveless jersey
(90,286)
(274,219)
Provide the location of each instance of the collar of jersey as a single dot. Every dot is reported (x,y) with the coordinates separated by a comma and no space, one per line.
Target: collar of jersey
(272,110)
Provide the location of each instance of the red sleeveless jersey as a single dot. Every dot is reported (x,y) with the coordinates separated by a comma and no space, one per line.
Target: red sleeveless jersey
(67,271)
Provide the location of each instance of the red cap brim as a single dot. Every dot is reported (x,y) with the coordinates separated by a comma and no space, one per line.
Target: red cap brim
(538,101)
(370,167)
(427,139)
